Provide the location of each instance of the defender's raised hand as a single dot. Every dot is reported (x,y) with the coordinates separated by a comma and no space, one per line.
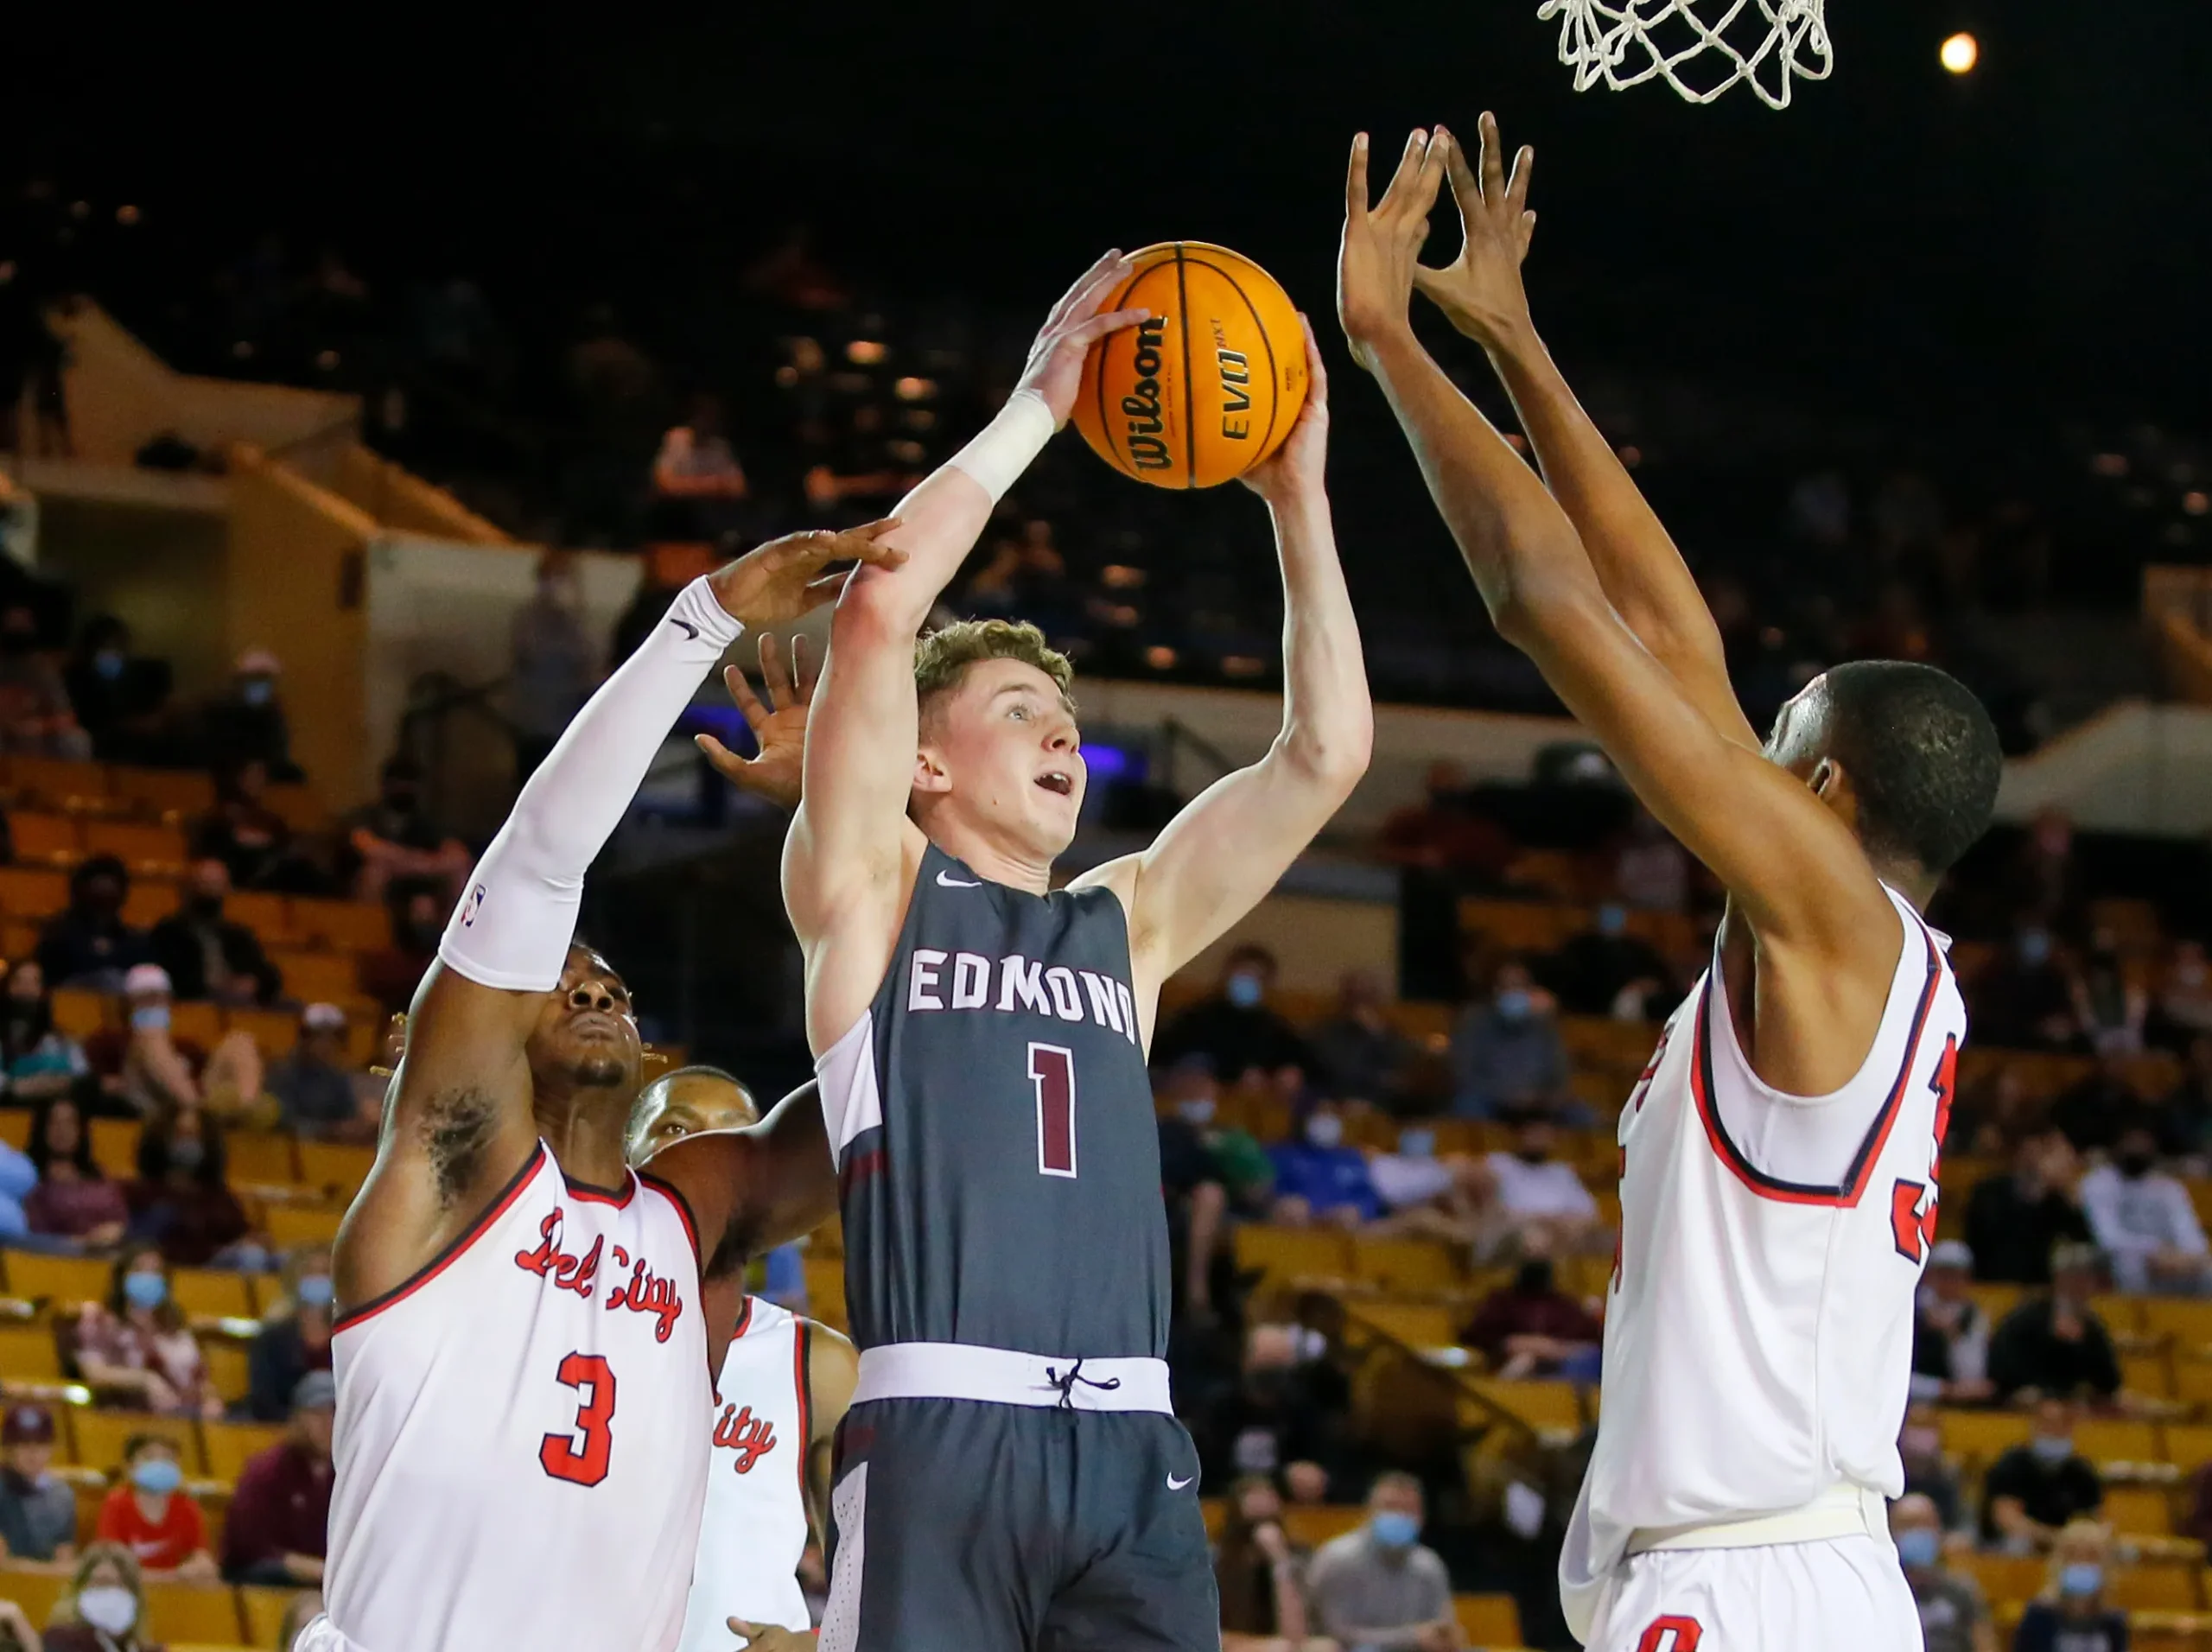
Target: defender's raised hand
(1382,244)
(1480,291)
(778,726)
(1078,321)
(775,583)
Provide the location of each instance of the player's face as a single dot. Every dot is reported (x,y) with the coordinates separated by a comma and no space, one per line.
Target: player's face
(587,1033)
(1002,746)
(686,1105)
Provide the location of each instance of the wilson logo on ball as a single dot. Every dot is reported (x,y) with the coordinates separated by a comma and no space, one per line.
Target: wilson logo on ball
(1147,449)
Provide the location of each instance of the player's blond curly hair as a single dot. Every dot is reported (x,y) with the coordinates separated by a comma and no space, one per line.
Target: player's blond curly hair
(943,657)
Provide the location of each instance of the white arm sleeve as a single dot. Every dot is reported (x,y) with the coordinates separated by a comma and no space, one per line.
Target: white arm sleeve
(513,926)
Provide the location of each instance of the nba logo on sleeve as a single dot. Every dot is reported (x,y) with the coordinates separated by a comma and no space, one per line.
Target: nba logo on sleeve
(475,905)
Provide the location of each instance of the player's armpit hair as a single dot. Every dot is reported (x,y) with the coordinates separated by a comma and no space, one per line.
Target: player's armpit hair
(740,1241)
(1924,759)
(457,1128)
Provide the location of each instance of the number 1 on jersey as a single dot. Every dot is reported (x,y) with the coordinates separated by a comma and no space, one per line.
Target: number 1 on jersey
(1052,1069)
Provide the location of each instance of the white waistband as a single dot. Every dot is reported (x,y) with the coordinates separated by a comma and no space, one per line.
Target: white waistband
(1843,1510)
(960,1372)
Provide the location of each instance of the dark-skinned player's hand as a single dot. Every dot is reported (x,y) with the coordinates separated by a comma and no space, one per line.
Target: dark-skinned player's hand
(1480,291)
(779,726)
(1382,244)
(775,583)
(766,1637)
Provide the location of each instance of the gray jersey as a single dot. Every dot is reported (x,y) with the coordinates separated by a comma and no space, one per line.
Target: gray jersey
(998,1159)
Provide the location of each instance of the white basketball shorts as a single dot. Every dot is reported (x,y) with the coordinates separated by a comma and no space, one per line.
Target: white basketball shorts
(1843,1594)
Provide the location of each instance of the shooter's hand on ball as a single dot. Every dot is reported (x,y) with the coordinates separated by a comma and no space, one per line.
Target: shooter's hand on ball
(779,726)
(1382,245)
(775,583)
(1055,365)
(1294,470)
(1480,291)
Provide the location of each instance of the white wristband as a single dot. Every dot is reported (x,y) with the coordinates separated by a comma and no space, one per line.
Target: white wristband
(703,619)
(1007,446)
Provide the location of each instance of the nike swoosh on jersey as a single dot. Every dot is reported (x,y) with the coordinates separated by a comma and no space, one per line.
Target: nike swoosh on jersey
(945,880)
(1174,1484)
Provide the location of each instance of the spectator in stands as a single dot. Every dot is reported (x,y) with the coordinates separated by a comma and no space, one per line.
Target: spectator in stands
(1426,1192)
(1954,1616)
(17,1634)
(2013,1222)
(2053,1343)
(1596,967)
(1540,1196)
(390,973)
(2032,1490)
(2092,1112)
(2183,1011)
(1378,1586)
(2187,1109)
(2071,1614)
(157,1069)
(1950,1333)
(136,1346)
(1197,1193)
(2143,1219)
(2111,1008)
(180,1201)
(75,1206)
(150,1513)
(1992,1115)
(1533,1329)
(697,482)
(281,1509)
(294,1335)
(1257,1573)
(207,955)
(1360,1056)
(251,838)
(1506,1053)
(554,663)
(38,1511)
(1276,1419)
(34,713)
(312,1081)
(393,841)
(105,1606)
(247,724)
(1318,1177)
(1248,1041)
(119,699)
(2046,880)
(1928,1472)
(88,944)
(1442,834)
(2025,1000)
(40,1061)
(1652,872)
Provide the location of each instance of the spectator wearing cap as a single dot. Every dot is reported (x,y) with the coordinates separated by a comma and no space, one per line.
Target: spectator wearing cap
(207,955)
(312,1081)
(158,1072)
(88,944)
(294,1335)
(136,1346)
(246,723)
(2053,1345)
(38,1511)
(1950,1333)
(281,1509)
(151,1514)
(394,841)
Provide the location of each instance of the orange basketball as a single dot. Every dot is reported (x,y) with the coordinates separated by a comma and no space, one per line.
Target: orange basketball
(1208,387)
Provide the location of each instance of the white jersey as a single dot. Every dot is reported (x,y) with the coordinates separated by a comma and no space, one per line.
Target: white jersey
(1758,1332)
(754,1527)
(521,1432)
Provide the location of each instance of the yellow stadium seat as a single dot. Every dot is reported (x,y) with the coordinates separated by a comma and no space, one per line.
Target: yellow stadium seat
(191,1611)
(63,782)
(293,1225)
(1488,1620)
(32,891)
(274,1032)
(2113,1439)
(2004,1577)
(318,977)
(34,1590)
(2147,1373)
(1406,1264)
(77,1012)
(115,1147)
(197,1021)
(45,839)
(100,1436)
(343,925)
(264,1611)
(2152,1588)
(1417,1325)
(231,1444)
(150,901)
(144,848)
(261,1158)
(1983,1436)
(62,1280)
(18,937)
(229,1367)
(16,1127)
(2121,1314)
(28,1353)
(2193,1377)
(1309,1525)
(178,793)
(2187,1321)
(268,915)
(213,1291)
(1541,1405)
(1289,1252)
(336,1165)
(2187,1444)
(1994,1301)
(2139,1510)
(297,806)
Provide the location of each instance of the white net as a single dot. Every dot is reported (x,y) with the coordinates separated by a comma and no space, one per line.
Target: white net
(1700,47)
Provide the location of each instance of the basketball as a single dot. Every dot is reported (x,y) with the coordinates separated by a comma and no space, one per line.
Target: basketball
(1207,387)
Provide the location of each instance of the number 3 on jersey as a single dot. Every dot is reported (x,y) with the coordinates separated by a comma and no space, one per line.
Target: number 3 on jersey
(1052,1069)
(566,1458)
(1911,1227)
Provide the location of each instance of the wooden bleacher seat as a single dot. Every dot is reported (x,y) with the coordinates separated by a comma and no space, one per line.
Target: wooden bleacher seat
(298,806)
(274,1032)
(2147,1371)
(1523,925)
(268,915)
(2187,1444)
(231,1444)
(29,1353)
(291,1226)
(80,1014)
(1309,1525)
(34,1590)
(1541,1405)
(2152,1588)
(61,782)
(2192,1368)
(230,1370)
(2116,1440)
(262,1158)
(16,1127)
(1982,1436)
(1994,1301)
(2121,1314)
(197,1021)
(264,1611)
(1417,1325)
(1488,1620)
(18,937)
(60,1279)
(342,926)
(1411,1265)
(45,839)
(2005,1578)
(98,1436)
(211,1292)
(115,1147)
(172,794)
(2187,1321)
(206,1613)
(338,1167)
(2140,1510)
(147,850)
(1286,1254)
(318,977)
(150,901)
(32,891)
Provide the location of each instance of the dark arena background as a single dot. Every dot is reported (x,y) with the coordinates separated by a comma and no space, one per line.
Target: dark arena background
(339,361)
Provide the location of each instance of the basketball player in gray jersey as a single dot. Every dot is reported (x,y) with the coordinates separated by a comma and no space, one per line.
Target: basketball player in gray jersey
(1011,1476)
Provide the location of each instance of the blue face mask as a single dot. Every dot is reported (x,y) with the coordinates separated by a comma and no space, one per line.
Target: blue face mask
(2049,1448)
(1244,990)
(1325,1130)
(1394,1530)
(1515,1003)
(157,1475)
(2083,1577)
(151,1017)
(108,663)
(1417,1144)
(256,691)
(1612,918)
(317,1291)
(1919,1547)
(2035,947)
(146,1291)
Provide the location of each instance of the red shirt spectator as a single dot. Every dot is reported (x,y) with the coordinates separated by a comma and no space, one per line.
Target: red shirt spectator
(151,1515)
(280,1512)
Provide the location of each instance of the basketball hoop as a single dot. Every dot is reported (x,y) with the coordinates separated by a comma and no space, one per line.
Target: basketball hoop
(1625,42)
